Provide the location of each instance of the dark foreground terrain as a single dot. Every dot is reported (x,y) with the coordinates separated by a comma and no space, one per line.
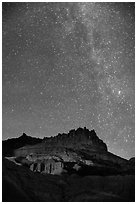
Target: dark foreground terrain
(21,184)
(73,166)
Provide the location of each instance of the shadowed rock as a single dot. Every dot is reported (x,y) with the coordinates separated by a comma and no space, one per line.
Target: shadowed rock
(75,138)
(19,184)
(68,167)
(79,148)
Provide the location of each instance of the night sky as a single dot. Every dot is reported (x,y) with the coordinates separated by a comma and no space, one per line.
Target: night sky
(70,65)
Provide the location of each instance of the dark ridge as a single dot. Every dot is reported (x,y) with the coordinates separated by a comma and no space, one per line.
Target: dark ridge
(80,138)
(8,146)
(78,134)
(76,137)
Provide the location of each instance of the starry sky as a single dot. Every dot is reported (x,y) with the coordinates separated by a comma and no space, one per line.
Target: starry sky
(69,65)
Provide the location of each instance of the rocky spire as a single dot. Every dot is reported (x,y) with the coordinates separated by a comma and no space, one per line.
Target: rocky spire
(77,138)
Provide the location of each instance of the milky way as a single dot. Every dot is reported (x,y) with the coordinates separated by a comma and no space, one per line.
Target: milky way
(70,65)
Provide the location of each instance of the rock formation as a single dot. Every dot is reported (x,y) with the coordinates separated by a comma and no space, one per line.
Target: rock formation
(48,167)
(78,151)
(79,155)
(75,138)
(8,146)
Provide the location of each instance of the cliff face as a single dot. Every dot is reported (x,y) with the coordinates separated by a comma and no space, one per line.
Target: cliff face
(80,138)
(61,153)
(49,166)
(79,155)
(78,151)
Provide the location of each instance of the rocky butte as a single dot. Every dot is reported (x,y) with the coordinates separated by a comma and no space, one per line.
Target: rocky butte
(80,138)
(80,151)
(68,167)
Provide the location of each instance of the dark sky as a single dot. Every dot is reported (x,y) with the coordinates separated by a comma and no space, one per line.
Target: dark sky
(70,65)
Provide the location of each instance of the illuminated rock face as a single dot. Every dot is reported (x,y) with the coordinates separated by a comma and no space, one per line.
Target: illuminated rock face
(48,167)
(46,164)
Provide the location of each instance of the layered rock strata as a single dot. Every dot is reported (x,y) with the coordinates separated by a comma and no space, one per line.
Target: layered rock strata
(79,149)
(75,138)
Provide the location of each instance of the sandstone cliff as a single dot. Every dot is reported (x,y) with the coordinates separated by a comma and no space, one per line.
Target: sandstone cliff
(80,138)
(78,151)
(68,167)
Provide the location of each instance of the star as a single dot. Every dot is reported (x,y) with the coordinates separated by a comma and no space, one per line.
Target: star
(68,65)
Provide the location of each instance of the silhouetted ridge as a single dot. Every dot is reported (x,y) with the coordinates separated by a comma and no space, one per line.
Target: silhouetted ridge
(80,151)
(77,137)
(80,138)
(8,146)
